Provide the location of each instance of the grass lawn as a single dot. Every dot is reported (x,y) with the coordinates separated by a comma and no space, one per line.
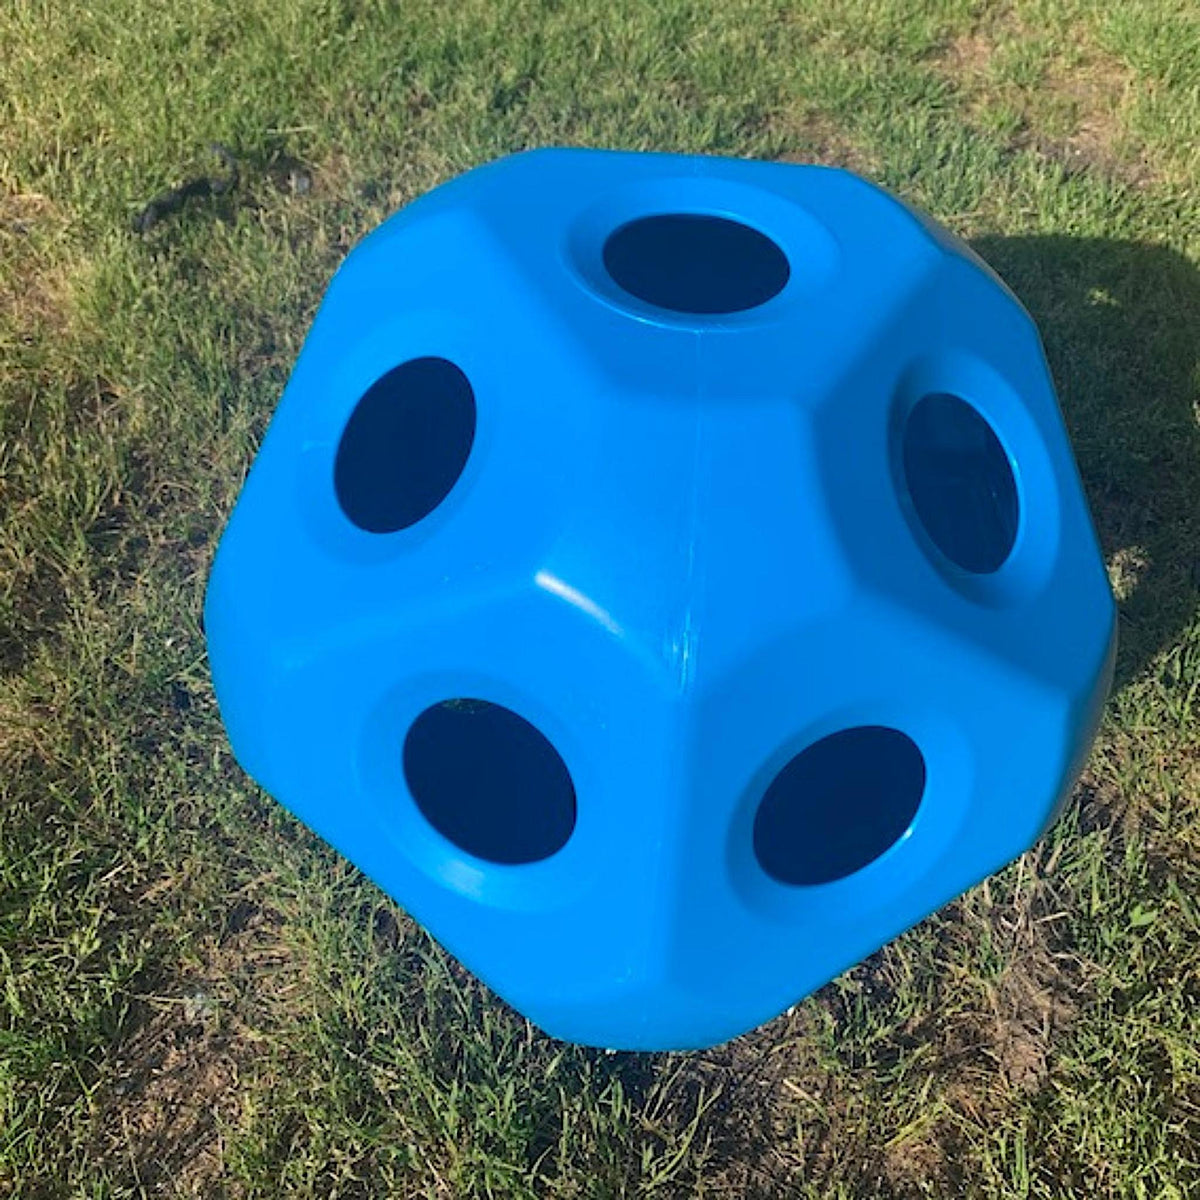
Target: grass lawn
(196,998)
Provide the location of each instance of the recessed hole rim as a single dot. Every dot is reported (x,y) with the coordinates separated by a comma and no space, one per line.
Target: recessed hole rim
(346,369)
(414,847)
(810,249)
(971,377)
(950,759)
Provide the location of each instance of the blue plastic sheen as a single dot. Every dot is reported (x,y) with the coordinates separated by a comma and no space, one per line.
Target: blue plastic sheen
(669,579)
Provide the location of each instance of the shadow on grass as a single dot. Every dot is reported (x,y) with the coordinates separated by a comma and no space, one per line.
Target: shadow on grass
(1121,326)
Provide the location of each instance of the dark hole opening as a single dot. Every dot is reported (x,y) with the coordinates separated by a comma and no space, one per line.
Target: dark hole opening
(489,781)
(838,805)
(961,483)
(692,263)
(405,445)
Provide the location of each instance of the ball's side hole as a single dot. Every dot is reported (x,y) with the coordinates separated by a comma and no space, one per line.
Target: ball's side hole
(489,781)
(961,483)
(838,805)
(405,445)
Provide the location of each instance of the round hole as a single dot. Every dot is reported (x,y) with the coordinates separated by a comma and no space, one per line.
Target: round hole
(405,445)
(489,782)
(961,483)
(838,805)
(691,263)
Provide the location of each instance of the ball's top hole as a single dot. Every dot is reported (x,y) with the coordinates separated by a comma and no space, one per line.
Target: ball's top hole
(695,263)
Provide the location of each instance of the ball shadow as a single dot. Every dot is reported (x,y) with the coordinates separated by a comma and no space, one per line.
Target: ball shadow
(1120,322)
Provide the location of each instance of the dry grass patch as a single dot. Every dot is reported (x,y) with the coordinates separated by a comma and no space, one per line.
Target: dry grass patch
(37,291)
(817,139)
(177,1083)
(1068,104)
